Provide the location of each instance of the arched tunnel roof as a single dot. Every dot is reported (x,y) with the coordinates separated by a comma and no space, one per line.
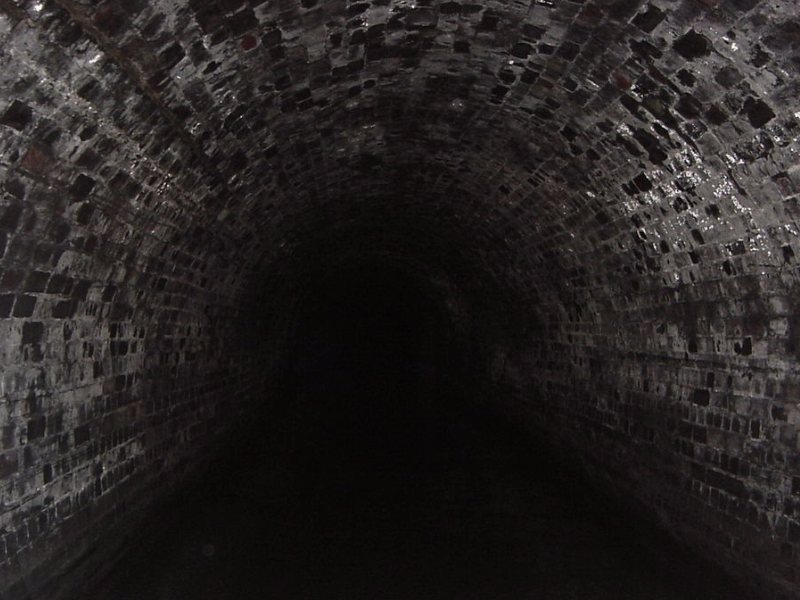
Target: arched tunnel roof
(627,144)
(622,172)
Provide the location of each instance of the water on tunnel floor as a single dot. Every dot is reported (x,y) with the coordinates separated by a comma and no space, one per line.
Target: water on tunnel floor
(384,478)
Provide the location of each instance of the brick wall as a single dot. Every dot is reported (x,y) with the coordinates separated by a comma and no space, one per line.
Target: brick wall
(606,189)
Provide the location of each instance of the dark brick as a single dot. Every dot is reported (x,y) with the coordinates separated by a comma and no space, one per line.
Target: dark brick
(80,290)
(65,309)
(108,20)
(642,183)
(9,464)
(758,112)
(84,214)
(24,306)
(17,115)
(701,397)
(81,435)
(649,20)
(36,427)
(6,302)
(726,483)
(10,217)
(36,281)
(692,45)
(82,187)
(744,348)
(58,284)
(37,160)
(32,332)
(689,107)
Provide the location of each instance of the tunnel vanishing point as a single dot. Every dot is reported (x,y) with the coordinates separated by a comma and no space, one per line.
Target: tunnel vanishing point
(601,197)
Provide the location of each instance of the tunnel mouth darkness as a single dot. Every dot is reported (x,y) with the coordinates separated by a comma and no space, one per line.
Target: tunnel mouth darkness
(369,320)
(399,299)
(381,471)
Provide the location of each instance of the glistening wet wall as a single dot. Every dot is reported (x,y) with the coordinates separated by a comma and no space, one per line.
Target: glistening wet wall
(604,192)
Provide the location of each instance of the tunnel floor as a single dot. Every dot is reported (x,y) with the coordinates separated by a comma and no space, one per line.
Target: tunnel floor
(449,502)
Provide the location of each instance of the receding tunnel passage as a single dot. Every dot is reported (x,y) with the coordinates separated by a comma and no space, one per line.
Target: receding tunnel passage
(380,472)
(368,324)
(411,298)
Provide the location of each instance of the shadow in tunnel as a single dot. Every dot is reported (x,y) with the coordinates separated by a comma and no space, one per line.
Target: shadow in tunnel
(383,476)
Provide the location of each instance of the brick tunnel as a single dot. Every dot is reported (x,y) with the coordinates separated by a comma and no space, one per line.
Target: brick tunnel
(399,299)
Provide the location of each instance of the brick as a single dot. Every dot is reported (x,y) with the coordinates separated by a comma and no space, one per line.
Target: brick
(9,464)
(6,302)
(602,196)
(701,397)
(36,427)
(32,332)
(24,306)
(17,115)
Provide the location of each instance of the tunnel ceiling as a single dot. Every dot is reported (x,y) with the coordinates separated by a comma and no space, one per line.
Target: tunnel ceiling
(623,144)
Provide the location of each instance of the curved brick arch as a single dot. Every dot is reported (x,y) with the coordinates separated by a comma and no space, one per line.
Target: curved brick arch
(619,176)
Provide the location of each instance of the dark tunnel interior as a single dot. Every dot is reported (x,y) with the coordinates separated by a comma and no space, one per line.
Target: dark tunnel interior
(399,299)
(380,471)
(367,323)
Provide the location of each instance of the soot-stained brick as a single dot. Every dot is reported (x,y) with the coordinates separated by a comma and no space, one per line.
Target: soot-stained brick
(82,186)
(701,397)
(36,427)
(758,112)
(9,464)
(24,306)
(745,347)
(17,115)
(32,332)
(36,281)
(649,19)
(6,302)
(610,186)
(692,45)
